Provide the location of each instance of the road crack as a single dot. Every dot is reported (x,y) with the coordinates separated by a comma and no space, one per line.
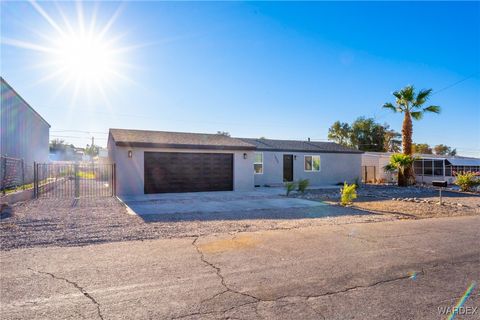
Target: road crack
(218,271)
(77,286)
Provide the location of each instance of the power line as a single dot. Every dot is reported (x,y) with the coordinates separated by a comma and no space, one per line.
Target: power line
(79,131)
(75,137)
(455,83)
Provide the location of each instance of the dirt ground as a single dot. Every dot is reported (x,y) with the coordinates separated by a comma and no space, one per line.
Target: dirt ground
(410,202)
(56,222)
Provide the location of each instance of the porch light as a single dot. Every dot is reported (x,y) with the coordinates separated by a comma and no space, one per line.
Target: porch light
(295,157)
(130,153)
(244,155)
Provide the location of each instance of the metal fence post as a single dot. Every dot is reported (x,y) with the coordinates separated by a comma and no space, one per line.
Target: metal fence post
(35,180)
(114,176)
(4,174)
(77,181)
(23,173)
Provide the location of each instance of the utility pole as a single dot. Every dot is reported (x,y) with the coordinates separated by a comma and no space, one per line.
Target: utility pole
(92,148)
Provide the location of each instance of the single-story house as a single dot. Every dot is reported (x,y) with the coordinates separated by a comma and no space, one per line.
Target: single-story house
(160,162)
(428,167)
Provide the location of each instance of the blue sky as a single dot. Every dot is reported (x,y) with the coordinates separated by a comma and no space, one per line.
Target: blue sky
(279,70)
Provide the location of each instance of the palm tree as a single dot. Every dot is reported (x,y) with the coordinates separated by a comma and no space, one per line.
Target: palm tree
(401,163)
(411,105)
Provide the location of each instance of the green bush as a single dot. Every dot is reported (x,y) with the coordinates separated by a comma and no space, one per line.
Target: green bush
(348,194)
(303,185)
(467,181)
(290,186)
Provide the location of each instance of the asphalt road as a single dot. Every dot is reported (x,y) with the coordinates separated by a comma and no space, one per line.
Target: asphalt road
(388,270)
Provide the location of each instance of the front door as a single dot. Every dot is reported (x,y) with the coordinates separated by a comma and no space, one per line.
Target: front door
(288,167)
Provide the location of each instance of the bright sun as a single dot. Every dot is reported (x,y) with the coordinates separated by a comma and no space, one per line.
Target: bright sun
(80,53)
(85,58)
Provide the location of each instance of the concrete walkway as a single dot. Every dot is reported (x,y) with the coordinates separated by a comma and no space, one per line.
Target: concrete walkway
(412,269)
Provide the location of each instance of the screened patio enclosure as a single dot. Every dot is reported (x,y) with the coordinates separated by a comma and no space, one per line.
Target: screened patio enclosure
(429,169)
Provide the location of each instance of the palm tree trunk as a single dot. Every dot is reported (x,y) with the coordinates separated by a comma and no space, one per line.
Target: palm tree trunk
(402,182)
(407,129)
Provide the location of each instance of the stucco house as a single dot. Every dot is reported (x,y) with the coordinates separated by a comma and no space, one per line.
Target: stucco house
(24,134)
(160,162)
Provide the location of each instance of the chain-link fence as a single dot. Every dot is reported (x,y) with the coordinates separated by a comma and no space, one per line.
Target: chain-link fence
(14,174)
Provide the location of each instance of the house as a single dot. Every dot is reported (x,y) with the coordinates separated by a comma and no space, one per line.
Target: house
(322,163)
(160,162)
(24,133)
(428,167)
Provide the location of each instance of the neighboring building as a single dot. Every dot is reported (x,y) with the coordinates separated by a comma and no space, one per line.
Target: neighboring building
(159,162)
(428,167)
(24,133)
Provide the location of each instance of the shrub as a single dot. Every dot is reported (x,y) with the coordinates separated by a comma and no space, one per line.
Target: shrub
(467,180)
(400,163)
(348,194)
(290,186)
(303,185)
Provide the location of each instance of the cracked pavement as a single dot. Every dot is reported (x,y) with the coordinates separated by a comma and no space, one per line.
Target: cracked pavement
(354,271)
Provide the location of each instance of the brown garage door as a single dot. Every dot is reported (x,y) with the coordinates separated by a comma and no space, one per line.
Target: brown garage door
(188,172)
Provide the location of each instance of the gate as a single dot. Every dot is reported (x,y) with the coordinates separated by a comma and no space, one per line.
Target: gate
(74,180)
(369,174)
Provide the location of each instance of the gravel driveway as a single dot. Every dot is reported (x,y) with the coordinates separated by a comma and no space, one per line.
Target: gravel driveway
(55,222)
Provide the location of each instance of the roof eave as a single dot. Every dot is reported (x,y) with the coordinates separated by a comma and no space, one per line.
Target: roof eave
(309,151)
(180,146)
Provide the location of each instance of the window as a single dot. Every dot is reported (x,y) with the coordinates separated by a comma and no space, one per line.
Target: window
(258,163)
(312,163)
(418,166)
(427,167)
(438,167)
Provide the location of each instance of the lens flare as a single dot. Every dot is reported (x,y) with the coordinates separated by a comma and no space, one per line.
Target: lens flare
(78,52)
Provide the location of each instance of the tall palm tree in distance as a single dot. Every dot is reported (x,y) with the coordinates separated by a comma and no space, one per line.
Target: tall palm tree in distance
(411,104)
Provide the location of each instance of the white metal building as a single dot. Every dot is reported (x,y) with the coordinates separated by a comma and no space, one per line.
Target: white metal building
(428,167)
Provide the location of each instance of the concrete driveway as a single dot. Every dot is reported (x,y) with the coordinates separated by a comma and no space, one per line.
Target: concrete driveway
(208,204)
(413,269)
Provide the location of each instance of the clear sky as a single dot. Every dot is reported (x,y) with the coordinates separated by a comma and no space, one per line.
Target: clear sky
(278,70)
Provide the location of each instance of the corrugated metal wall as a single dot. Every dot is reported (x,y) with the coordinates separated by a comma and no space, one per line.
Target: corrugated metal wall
(23,133)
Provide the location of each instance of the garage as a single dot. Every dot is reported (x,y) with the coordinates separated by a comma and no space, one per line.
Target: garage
(187,172)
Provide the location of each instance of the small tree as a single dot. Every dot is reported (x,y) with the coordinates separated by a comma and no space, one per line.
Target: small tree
(400,162)
(421,148)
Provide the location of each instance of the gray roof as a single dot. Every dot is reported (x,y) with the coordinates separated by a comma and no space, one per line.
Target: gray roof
(165,139)
(299,146)
(186,140)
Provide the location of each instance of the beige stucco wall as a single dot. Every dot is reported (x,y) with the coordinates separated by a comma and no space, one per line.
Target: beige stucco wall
(379,161)
(130,171)
(334,168)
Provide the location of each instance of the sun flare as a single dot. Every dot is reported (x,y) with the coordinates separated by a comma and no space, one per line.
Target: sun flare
(79,52)
(84,58)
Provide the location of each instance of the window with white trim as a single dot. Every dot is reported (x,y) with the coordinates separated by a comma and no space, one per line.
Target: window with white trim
(258,163)
(312,163)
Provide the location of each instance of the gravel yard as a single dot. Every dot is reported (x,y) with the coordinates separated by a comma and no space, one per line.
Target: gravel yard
(54,222)
(409,202)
